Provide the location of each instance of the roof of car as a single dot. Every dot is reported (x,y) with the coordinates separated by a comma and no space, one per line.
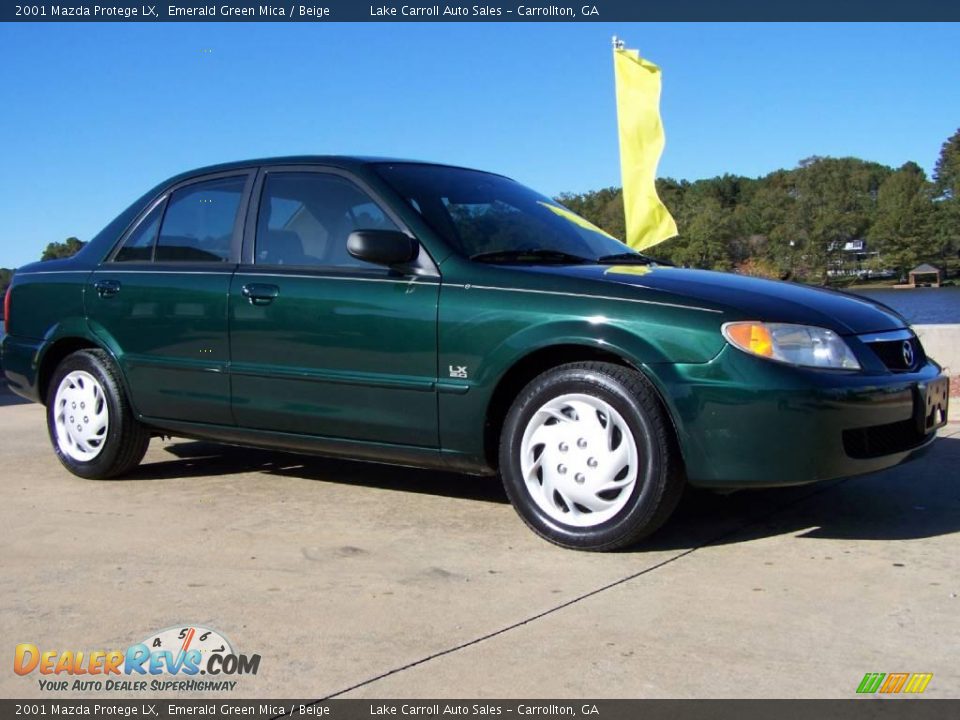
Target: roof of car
(341,161)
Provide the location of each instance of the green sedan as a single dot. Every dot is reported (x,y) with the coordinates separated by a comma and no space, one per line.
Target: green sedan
(435,316)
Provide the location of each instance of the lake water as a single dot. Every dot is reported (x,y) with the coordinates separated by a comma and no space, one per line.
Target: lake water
(921,305)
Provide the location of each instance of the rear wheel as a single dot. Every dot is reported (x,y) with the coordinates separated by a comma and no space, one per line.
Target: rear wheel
(588,459)
(92,427)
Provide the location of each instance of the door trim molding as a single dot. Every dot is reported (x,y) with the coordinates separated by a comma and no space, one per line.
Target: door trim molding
(329,376)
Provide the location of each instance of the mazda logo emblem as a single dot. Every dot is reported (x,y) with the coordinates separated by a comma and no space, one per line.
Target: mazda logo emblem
(907,353)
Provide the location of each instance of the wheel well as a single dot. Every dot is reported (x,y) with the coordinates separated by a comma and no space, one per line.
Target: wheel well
(525,370)
(53,357)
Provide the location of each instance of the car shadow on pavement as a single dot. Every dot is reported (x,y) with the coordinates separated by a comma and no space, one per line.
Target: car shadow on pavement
(199,458)
(916,500)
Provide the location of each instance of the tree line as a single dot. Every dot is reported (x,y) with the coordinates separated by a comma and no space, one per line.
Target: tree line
(795,224)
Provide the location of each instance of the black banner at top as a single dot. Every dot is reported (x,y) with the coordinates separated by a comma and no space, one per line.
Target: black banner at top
(490,11)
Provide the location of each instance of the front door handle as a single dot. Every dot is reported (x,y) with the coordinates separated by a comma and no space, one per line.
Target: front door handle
(107,288)
(260,294)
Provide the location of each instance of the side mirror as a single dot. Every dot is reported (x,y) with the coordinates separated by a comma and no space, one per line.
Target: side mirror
(382,247)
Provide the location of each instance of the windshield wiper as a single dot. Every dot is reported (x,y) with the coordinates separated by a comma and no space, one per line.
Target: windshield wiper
(531,254)
(625,258)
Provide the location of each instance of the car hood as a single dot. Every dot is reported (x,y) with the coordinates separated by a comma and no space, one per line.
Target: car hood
(750,298)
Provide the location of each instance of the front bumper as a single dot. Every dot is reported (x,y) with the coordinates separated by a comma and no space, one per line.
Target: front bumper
(747,422)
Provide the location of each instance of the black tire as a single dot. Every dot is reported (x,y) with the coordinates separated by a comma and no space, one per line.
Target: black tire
(660,478)
(126,439)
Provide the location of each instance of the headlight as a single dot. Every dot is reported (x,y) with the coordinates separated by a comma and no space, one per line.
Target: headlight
(794,344)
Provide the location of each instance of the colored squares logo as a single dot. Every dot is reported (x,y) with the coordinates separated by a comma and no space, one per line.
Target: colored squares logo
(892,683)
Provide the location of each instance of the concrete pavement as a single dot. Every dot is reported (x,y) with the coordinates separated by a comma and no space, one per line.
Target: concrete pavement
(368,581)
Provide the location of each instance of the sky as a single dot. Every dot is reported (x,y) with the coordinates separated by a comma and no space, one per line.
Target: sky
(93,115)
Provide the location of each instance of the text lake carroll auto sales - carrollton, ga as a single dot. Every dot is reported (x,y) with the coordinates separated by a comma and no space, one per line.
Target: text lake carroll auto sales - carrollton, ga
(546,11)
(153,664)
(449,709)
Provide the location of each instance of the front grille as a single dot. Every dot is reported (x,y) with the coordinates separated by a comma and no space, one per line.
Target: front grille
(893,355)
(879,440)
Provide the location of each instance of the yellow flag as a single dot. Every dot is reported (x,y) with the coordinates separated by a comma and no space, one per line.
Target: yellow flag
(641,143)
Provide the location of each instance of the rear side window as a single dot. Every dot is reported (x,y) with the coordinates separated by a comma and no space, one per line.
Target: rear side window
(138,247)
(305,219)
(199,221)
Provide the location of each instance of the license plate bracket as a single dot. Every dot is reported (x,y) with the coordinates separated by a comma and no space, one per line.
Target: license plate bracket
(934,400)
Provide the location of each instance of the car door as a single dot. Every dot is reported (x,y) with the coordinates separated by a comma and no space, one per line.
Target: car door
(322,343)
(159,301)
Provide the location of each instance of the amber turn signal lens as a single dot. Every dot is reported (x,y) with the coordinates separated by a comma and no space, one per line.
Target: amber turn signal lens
(752,337)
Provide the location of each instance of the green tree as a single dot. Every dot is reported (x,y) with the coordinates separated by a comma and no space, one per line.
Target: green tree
(58,250)
(711,231)
(835,199)
(946,223)
(904,230)
(6,275)
(672,193)
(946,173)
(767,221)
(707,229)
(946,176)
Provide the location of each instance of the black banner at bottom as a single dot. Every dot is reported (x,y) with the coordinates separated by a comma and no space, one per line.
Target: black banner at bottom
(854,709)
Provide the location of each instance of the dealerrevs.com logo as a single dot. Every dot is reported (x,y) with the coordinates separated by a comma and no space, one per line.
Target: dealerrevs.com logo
(183,658)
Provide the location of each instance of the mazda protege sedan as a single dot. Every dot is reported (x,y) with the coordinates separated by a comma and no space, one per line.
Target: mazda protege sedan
(434,316)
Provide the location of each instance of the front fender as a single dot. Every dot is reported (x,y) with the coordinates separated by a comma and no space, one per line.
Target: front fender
(484,331)
(479,345)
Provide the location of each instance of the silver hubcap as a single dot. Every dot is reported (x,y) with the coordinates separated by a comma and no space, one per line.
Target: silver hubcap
(579,460)
(81,416)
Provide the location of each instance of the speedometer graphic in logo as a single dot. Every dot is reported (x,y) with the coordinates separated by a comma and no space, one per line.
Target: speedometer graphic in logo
(183,639)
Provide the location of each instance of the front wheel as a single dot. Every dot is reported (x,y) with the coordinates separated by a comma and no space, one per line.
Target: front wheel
(588,458)
(92,427)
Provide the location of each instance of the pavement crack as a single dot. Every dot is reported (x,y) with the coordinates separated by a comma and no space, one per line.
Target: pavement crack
(719,537)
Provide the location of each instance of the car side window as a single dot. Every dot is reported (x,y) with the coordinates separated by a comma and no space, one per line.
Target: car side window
(305,219)
(138,247)
(199,221)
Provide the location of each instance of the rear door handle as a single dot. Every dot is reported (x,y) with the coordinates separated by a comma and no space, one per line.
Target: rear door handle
(107,288)
(260,294)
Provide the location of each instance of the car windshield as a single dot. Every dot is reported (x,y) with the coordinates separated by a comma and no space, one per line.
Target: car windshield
(490,218)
